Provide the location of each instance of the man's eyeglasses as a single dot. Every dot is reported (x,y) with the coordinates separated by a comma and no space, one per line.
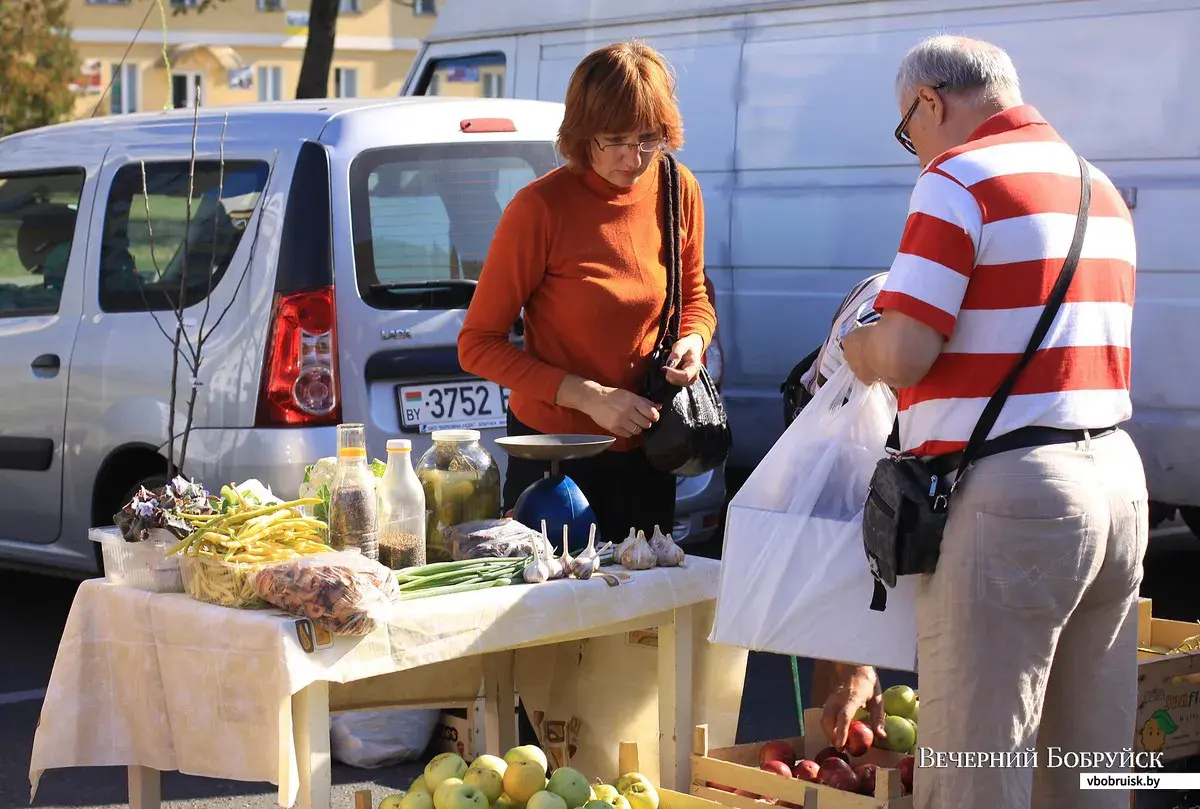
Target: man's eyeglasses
(645,146)
(901,134)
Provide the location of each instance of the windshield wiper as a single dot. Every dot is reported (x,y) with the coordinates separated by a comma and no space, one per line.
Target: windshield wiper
(425,286)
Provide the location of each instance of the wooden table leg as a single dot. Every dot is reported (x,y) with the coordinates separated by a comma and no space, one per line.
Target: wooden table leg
(675,664)
(310,723)
(499,696)
(145,788)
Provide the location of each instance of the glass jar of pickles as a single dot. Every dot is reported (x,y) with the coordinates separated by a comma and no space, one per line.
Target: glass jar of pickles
(461,483)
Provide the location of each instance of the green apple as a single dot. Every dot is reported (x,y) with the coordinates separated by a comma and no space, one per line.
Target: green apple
(606,792)
(641,796)
(598,804)
(862,715)
(419,785)
(570,785)
(916,710)
(487,762)
(451,795)
(522,779)
(441,795)
(899,701)
(545,799)
(621,802)
(901,733)
(504,802)
(414,799)
(488,781)
(443,766)
(527,752)
(392,801)
(624,782)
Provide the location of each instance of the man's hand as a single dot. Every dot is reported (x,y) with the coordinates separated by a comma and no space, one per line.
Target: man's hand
(856,354)
(683,364)
(859,688)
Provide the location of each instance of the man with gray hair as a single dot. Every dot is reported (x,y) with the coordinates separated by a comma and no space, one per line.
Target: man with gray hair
(1026,615)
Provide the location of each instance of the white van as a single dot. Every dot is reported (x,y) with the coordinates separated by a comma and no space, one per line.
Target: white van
(332,249)
(789,111)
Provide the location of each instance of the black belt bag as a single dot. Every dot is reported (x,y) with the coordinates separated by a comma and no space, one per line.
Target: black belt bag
(909,499)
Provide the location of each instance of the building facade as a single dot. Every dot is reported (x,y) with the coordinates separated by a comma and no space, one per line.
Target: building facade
(235,52)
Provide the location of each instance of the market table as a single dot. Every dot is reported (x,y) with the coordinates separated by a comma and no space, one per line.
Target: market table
(161,682)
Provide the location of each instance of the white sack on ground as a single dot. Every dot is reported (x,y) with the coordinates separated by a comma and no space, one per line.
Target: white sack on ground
(794,576)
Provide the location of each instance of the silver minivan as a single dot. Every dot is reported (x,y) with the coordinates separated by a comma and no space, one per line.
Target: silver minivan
(324,259)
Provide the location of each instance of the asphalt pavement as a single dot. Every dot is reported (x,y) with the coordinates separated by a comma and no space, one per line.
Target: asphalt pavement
(37,609)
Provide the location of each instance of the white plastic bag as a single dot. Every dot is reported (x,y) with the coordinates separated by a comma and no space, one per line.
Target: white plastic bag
(371,739)
(794,576)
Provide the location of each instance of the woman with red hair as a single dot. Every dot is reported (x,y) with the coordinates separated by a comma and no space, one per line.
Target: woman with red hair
(581,252)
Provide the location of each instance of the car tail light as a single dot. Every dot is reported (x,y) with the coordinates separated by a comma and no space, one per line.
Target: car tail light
(300,375)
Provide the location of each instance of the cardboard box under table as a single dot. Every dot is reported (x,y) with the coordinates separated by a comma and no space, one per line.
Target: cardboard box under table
(161,682)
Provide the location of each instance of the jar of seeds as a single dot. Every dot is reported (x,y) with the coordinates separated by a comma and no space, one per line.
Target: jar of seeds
(353,507)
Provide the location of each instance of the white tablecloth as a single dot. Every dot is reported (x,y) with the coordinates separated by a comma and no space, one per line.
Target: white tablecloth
(170,683)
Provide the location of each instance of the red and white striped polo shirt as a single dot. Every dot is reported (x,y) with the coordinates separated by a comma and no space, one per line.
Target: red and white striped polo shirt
(989,225)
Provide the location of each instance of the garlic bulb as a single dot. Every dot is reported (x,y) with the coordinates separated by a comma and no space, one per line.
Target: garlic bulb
(555,566)
(638,555)
(562,566)
(588,562)
(537,571)
(629,540)
(666,552)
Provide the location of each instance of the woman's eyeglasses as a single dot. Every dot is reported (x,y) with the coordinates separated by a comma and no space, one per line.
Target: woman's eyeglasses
(901,134)
(646,146)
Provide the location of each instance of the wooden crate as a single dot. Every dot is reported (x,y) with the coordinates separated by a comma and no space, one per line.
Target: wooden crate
(627,761)
(737,768)
(1168,688)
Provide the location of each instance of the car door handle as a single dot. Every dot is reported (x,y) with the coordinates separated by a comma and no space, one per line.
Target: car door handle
(46,362)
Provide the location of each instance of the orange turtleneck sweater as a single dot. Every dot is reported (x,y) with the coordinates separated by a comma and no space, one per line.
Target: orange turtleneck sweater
(586,261)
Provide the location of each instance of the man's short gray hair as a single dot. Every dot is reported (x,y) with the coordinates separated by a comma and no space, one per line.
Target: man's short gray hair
(978,71)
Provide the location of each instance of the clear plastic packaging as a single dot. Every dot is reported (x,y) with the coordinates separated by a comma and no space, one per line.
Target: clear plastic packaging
(462,484)
(141,565)
(402,519)
(226,584)
(345,592)
(353,506)
(483,539)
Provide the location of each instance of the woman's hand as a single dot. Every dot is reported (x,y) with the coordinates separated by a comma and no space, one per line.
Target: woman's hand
(858,688)
(622,413)
(685,360)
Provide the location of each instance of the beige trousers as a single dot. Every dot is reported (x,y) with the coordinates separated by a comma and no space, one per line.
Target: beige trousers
(1027,631)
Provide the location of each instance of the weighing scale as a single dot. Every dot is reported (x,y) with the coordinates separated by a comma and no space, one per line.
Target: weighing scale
(556,498)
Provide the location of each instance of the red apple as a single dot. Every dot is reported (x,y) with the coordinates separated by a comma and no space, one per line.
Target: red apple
(837,773)
(905,767)
(830,751)
(806,770)
(859,737)
(776,751)
(778,767)
(866,778)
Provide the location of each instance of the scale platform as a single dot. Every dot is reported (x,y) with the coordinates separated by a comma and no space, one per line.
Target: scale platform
(554,448)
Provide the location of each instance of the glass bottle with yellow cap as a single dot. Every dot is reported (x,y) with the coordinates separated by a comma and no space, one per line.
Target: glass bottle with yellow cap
(353,508)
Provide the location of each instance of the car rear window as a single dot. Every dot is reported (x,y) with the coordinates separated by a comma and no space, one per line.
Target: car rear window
(423,217)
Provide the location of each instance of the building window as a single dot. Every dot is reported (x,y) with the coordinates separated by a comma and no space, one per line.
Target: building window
(107,2)
(425,7)
(270,84)
(123,95)
(37,232)
(270,5)
(493,85)
(349,7)
(345,82)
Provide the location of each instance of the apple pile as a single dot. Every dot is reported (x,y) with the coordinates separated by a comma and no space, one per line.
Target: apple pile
(900,710)
(517,781)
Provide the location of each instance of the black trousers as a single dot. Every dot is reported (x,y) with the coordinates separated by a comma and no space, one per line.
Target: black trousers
(623,489)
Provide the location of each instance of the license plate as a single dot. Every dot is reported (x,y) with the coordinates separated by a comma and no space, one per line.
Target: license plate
(469,405)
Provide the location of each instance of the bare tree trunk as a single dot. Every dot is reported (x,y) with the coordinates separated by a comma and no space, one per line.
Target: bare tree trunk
(318,53)
(172,468)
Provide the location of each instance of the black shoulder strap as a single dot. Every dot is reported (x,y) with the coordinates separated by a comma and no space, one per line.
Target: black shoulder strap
(668,329)
(991,411)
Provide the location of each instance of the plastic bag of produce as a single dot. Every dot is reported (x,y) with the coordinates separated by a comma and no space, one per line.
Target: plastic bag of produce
(484,539)
(343,591)
(371,739)
(794,577)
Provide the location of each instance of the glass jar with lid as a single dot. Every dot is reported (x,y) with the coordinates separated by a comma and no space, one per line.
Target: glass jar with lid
(353,507)
(462,484)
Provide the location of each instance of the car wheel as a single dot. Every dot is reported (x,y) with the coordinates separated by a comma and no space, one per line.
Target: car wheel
(1191,517)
